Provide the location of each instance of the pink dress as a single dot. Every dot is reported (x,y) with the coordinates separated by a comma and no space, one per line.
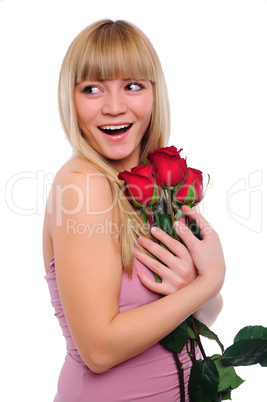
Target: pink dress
(150,376)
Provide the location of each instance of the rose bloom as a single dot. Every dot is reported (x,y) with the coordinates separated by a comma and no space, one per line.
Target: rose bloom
(144,187)
(169,165)
(190,195)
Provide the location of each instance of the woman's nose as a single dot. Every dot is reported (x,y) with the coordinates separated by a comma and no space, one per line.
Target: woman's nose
(114,104)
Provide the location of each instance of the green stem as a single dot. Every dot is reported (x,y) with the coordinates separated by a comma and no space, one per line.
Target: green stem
(149,215)
(169,194)
(191,353)
(194,327)
(180,368)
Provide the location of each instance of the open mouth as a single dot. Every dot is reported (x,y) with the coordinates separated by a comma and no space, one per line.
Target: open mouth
(115,130)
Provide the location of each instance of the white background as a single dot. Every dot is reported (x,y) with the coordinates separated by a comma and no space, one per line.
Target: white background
(214,57)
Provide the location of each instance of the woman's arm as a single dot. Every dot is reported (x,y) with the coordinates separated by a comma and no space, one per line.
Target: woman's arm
(88,269)
(210,310)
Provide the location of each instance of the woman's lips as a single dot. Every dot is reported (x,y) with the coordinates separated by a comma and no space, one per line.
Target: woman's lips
(115,129)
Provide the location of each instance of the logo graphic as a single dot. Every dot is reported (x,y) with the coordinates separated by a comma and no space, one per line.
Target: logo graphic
(244,201)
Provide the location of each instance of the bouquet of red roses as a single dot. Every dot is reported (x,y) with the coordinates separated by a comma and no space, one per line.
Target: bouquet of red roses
(160,189)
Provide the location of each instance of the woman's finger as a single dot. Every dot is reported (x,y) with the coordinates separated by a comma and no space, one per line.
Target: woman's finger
(157,250)
(148,283)
(201,222)
(153,264)
(172,279)
(174,245)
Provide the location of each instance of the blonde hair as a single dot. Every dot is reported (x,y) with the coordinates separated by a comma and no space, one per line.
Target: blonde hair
(108,50)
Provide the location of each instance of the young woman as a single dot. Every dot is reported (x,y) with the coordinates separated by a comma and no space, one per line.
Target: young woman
(114,109)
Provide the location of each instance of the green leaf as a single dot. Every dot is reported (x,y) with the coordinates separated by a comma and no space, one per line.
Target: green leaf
(228,377)
(156,196)
(164,222)
(246,352)
(223,395)
(178,214)
(203,330)
(144,216)
(191,333)
(203,381)
(251,332)
(190,196)
(227,395)
(157,278)
(176,340)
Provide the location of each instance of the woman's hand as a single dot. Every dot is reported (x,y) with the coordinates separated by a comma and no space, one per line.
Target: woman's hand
(207,253)
(175,267)
(203,258)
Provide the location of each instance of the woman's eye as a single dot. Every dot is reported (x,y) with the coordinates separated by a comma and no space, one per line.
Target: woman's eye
(134,86)
(91,89)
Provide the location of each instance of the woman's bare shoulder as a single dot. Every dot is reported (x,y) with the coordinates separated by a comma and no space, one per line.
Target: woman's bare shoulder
(79,185)
(75,166)
(78,178)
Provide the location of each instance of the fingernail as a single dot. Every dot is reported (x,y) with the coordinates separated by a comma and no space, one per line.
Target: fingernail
(154,229)
(136,251)
(177,223)
(141,239)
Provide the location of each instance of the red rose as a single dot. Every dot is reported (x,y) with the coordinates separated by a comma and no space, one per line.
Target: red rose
(191,192)
(143,187)
(169,165)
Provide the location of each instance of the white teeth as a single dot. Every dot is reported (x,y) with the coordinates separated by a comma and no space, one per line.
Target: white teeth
(114,127)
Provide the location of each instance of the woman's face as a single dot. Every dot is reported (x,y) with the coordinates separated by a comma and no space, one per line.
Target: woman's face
(113,116)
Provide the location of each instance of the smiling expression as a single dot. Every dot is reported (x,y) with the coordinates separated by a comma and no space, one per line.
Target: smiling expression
(113,116)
